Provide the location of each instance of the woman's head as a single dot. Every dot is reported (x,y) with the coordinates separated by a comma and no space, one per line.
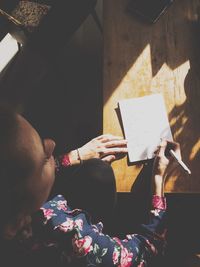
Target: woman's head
(27,170)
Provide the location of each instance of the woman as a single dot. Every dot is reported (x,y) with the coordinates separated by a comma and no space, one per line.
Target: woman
(35,229)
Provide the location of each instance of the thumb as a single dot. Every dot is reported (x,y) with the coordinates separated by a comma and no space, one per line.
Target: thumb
(161,149)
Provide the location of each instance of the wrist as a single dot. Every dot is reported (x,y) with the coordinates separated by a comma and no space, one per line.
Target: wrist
(74,157)
(158,185)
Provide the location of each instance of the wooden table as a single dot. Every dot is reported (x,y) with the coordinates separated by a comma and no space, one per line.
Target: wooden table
(142,59)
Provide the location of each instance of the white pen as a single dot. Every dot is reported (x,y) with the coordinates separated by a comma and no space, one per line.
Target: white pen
(180,162)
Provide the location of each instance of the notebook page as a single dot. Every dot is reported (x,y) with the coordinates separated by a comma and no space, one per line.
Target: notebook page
(145,122)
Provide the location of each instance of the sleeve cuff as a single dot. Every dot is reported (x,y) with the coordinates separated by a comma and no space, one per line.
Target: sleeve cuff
(159,202)
(62,162)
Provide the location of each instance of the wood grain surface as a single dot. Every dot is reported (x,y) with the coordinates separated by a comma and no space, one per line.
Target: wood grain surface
(142,59)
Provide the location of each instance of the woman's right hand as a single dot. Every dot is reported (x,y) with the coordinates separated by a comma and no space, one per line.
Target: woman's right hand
(163,157)
(161,163)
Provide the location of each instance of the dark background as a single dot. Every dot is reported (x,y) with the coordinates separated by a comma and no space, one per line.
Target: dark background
(59,91)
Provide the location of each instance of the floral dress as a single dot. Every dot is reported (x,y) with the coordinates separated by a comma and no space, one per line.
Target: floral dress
(83,240)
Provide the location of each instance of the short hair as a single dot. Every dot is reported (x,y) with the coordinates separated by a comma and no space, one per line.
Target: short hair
(8,134)
(14,166)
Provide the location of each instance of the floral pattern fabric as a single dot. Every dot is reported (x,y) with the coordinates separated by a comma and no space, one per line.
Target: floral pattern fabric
(98,249)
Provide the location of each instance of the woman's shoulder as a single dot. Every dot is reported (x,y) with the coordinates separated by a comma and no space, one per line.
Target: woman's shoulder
(58,213)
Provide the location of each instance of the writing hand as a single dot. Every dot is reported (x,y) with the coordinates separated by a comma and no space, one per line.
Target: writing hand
(161,162)
(163,157)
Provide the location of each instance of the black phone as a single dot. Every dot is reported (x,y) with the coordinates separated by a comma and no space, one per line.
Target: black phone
(150,10)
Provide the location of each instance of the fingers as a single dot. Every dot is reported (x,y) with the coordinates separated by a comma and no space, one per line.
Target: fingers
(165,147)
(175,147)
(109,158)
(114,150)
(116,143)
(109,144)
(161,161)
(110,147)
(161,148)
(108,137)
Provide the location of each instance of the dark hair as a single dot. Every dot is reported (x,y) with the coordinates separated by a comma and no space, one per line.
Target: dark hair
(14,166)
(8,127)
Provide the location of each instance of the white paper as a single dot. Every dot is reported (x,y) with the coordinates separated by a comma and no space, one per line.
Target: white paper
(145,122)
(8,49)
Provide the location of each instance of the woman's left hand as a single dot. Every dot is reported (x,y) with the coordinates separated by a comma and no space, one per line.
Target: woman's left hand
(106,147)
